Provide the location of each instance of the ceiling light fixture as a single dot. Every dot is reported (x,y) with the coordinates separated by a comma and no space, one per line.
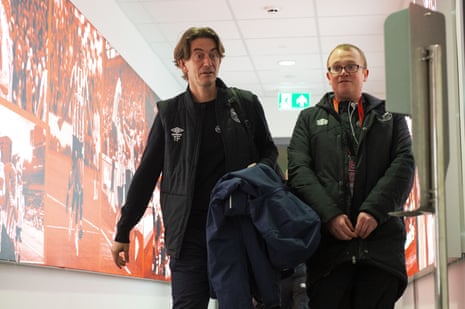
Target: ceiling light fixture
(286,62)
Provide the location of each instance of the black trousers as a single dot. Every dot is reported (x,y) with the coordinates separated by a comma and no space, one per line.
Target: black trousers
(294,289)
(355,286)
(190,285)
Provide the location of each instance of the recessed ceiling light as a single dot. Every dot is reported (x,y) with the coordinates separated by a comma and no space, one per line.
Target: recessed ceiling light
(286,62)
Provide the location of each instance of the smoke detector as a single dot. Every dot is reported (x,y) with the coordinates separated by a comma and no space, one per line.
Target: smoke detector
(271,9)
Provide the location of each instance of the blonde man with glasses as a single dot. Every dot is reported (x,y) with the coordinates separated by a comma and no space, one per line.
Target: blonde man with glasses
(352,161)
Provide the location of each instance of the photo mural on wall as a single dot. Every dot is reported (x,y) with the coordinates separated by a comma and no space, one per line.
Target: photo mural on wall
(74,117)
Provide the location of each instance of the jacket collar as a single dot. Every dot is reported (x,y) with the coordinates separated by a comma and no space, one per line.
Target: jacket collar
(219,84)
(187,95)
(369,102)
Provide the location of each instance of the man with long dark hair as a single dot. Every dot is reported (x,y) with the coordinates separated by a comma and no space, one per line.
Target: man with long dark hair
(196,138)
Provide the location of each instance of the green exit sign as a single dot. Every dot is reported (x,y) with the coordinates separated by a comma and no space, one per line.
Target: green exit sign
(293,100)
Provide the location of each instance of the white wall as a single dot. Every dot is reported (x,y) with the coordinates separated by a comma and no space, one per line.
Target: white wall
(281,123)
(24,287)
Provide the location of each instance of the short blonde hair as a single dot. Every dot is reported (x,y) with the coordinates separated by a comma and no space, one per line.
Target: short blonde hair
(347,46)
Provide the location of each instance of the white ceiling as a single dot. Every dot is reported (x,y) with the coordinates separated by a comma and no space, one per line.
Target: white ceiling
(302,30)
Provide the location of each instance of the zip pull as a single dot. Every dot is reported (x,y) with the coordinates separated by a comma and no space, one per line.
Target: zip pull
(230,202)
(354,259)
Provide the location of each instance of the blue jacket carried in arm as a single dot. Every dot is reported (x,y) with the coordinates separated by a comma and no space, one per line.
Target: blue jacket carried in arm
(255,229)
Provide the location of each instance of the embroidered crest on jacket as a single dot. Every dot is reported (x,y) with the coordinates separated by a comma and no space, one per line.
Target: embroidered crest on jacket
(176,133)
(385,117)
(234,115)
(322,122)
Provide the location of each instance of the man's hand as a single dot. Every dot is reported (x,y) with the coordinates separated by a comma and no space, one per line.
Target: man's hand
(366,224)
(120,252)
(341,228)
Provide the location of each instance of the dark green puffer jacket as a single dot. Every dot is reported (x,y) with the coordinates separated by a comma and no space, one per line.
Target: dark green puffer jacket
(318,163)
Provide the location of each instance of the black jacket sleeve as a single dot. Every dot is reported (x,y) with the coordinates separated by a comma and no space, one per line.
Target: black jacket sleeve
(143,183)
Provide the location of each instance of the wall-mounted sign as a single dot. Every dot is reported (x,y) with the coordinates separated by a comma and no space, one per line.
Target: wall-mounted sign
(293,100)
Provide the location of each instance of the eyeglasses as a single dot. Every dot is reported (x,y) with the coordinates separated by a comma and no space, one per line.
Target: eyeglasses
(349,68)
